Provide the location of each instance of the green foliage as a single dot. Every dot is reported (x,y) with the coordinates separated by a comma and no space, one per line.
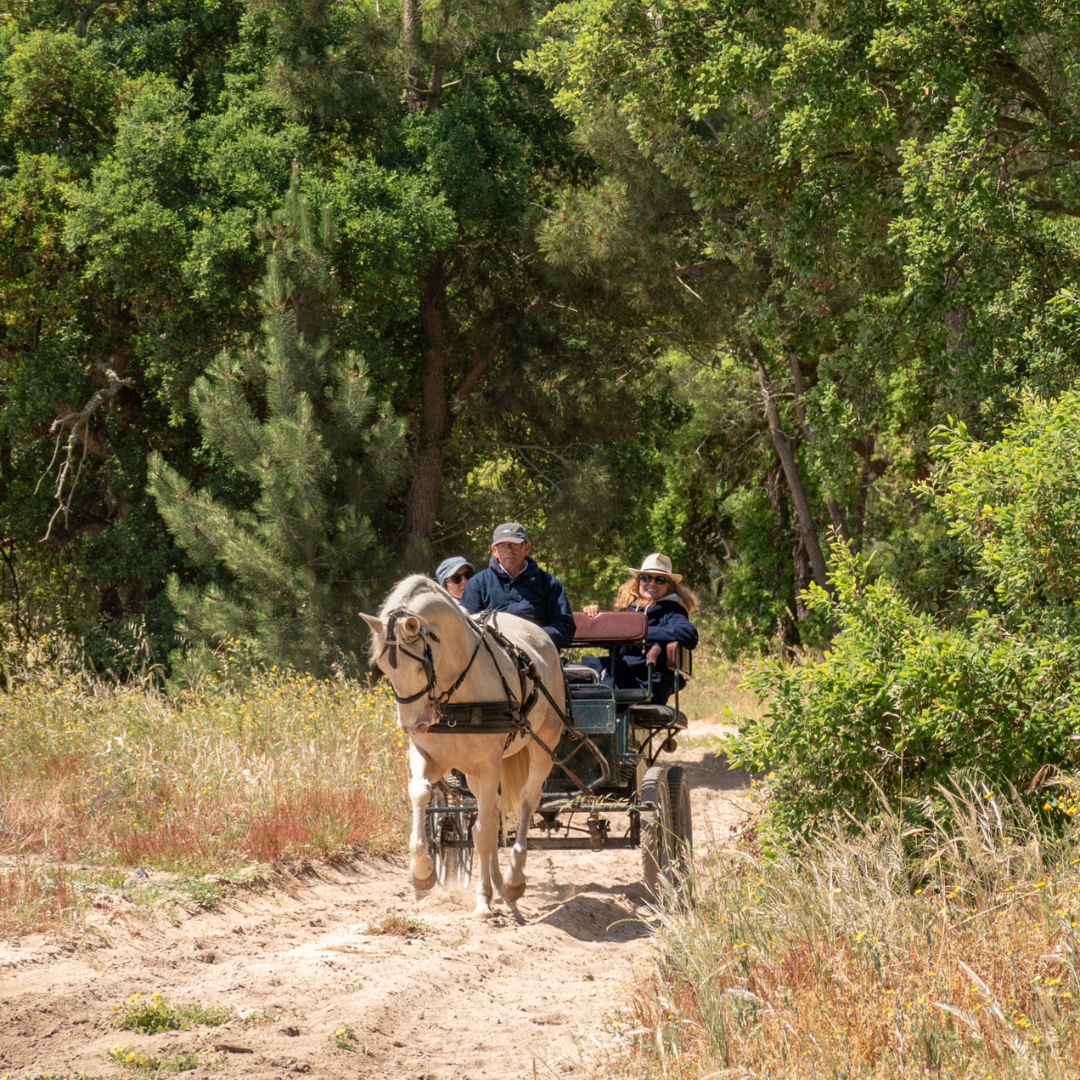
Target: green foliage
(126,239)
(297,421)
(880,196)
(904,700)
(155,1014)
(59,96)
(136,150)
(1014,506)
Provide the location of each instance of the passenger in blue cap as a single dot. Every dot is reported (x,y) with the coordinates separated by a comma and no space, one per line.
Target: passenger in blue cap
(453,575)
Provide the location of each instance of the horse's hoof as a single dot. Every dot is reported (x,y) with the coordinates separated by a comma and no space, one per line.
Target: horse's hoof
(426,885)
(512,893)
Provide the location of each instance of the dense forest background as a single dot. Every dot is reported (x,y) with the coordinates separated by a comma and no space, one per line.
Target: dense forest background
(298,297)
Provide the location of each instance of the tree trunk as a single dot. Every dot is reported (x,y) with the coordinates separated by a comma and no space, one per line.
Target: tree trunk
(787,626)
(412,37)
(82,24)
(865,479)
(807,528)
(834,511)
(436,419)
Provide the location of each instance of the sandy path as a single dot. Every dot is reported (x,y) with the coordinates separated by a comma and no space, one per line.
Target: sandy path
(511,997)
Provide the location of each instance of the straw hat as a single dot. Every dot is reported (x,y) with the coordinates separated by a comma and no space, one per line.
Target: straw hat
(657,564)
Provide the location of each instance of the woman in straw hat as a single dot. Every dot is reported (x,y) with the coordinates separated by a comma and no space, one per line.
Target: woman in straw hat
(668,605)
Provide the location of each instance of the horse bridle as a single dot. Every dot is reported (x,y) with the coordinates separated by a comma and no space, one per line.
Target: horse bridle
(426,661)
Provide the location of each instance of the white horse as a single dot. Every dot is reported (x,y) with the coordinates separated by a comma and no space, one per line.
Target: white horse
(426,644)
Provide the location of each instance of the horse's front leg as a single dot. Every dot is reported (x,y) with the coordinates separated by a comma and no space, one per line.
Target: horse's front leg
(485,786)
(421,866)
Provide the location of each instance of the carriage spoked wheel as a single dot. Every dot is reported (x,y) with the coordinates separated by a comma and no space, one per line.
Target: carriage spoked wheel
(656,829)
(682,832)
(446,832)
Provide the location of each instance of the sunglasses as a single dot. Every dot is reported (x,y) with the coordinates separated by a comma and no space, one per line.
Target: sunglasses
(457,579)
(649,578)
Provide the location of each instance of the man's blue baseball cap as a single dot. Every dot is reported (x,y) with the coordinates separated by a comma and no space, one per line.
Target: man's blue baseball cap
(510,531)
(449,567)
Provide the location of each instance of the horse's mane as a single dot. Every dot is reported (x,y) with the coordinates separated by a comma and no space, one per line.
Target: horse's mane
(405,592)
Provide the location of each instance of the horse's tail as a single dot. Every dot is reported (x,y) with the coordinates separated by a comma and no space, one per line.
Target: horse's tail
(515,771)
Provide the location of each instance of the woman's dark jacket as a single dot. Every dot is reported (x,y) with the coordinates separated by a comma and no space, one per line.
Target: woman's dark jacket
(668,621)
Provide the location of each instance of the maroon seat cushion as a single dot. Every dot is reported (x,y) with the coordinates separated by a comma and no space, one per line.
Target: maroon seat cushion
(615,626)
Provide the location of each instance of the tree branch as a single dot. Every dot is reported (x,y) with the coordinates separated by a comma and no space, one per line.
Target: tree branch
(476,372)
(1005,71)
(834,510)
(77,424)
(807,528)
(1054,206)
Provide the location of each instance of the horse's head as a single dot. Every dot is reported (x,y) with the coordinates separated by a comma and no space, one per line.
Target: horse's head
(407,645)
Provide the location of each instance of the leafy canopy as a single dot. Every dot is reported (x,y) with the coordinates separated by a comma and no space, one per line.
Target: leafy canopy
(903,700)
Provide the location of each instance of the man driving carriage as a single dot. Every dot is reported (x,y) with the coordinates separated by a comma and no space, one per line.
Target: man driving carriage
(512,582)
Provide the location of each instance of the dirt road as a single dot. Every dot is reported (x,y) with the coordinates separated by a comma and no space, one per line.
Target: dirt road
(517,996)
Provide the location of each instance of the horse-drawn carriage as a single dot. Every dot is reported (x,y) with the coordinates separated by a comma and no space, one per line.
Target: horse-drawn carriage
(607,768)
(491,697)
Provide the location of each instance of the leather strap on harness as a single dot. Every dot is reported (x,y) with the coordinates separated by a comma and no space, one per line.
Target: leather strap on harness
(527,670)
(477,717)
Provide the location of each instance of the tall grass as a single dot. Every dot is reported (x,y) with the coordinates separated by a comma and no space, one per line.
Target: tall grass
(950,952)
(281,767)
(38,898)
(718,690)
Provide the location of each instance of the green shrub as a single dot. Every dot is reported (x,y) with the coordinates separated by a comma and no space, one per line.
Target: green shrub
(905,700)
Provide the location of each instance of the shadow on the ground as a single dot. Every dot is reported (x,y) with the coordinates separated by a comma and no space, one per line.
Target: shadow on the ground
(714,773)
(589,917)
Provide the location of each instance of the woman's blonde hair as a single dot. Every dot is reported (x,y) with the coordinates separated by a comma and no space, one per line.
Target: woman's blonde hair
(628,594)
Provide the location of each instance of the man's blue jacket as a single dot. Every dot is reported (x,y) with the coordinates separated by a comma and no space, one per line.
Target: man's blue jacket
(533,594)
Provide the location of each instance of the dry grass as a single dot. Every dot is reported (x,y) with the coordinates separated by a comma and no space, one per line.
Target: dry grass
(944,954)
(37,898)
(285,768)
(716,691)
(399,926)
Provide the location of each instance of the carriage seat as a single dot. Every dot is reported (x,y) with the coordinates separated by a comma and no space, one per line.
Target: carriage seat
(610,627)
(580,673)
(656,716)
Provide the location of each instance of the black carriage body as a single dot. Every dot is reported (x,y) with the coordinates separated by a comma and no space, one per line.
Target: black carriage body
(628,730)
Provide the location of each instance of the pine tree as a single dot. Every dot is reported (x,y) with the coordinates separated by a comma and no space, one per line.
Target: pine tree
(299,427)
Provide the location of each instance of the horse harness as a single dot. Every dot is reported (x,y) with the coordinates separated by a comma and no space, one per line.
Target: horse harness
(510,717)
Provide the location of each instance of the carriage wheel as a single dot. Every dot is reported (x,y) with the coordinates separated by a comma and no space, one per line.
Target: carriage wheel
(656,828)
(453,863)
(682,828)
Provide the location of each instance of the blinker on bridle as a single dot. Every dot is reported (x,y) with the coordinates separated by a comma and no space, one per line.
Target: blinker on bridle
(426,661)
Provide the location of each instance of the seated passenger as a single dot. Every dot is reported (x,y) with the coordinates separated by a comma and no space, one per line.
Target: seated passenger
(453,575)
(514,583)
(668,605)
